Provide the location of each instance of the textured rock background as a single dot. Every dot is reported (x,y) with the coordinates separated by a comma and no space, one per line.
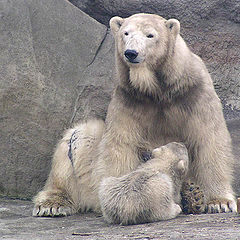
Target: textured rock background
(57,67)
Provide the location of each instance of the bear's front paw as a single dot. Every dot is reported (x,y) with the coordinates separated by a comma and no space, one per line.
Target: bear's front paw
(53,211)
(221,206)
(53,203)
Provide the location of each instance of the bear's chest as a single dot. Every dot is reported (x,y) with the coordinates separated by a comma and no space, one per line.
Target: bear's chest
(161,123)
(154,121)
(167,125)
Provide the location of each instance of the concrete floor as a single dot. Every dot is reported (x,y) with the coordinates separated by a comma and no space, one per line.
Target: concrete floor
(16,222)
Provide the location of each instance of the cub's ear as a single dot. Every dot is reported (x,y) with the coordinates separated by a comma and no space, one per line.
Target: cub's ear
(182,166)
(173,25)
(115,24)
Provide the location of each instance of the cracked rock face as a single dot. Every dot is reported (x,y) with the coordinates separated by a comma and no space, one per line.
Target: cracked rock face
(56,67)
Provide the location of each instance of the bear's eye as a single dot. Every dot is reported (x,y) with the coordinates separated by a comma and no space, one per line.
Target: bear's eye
(150,36)
(126,33)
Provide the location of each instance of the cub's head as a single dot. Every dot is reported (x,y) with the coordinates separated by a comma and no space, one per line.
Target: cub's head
(144,38)
(171,159)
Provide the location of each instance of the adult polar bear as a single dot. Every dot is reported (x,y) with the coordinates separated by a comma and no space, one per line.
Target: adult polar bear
(164,94)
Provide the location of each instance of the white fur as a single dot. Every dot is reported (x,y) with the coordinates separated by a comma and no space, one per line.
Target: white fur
(114,151)
(147,194)
(143,79)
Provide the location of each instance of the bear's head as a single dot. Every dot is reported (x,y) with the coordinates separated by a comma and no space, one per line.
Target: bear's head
(171,159)
(143,43)
(143,37)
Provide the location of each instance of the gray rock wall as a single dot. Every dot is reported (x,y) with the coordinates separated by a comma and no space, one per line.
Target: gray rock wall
(57,67)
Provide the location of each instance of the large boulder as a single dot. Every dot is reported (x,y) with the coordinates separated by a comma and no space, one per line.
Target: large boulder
(56,67)
(211,29)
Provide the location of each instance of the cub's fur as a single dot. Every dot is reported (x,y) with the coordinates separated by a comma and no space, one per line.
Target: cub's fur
(150,193)
(164,94)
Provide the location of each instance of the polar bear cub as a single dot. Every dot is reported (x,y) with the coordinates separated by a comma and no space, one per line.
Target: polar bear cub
(148,194)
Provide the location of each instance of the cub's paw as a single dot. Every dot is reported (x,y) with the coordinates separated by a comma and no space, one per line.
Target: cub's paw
(177,209)
(173,211)
(52,204)
(221,206)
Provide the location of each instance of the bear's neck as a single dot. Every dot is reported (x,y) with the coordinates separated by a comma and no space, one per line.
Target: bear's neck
(170,81)
(144,80)
(142,84)
(175,75)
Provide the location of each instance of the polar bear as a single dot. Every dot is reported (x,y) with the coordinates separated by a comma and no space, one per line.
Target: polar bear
(164,94)
(148,194)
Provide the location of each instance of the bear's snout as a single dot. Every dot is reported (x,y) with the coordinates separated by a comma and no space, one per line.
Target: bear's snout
(131,55)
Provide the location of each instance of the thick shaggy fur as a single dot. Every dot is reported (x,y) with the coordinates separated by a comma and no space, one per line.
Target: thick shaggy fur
(68,188)
(150,193)
(163,95)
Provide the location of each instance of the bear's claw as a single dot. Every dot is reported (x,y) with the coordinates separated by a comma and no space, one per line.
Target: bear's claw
(41,211)
(221,206)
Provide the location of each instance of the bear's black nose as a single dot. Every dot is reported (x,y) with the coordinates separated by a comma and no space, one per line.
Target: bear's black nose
(130,54)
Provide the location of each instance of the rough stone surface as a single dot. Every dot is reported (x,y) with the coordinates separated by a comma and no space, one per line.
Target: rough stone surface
(17,223)
(211,28)
(56,67)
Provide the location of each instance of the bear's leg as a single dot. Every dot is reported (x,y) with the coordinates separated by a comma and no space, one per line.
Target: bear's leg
(67,189)
(55,199)
(212,170)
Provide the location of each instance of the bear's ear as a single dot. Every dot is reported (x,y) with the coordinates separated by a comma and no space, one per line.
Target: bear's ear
(115,24)
(173,25)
